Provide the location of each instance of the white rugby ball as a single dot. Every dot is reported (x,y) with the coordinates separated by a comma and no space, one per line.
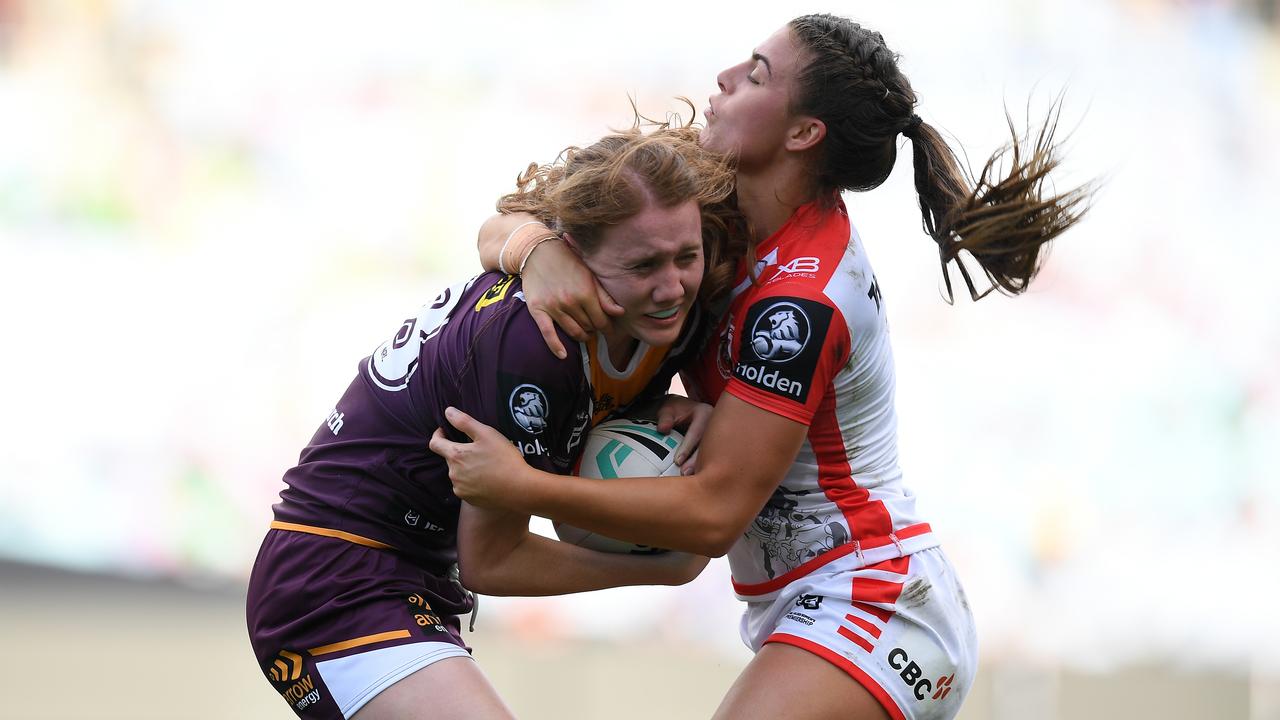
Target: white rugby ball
(617,449)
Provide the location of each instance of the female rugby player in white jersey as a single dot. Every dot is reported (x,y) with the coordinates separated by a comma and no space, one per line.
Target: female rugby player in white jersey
(353,604)
(852,607)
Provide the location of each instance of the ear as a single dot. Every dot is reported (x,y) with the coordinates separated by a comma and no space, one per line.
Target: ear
(573,244)
(805,133)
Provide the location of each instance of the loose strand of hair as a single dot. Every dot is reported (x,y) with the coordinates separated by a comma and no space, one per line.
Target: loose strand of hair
(1006,216)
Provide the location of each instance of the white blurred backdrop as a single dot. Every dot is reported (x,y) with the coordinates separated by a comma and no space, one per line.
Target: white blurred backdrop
(209,213)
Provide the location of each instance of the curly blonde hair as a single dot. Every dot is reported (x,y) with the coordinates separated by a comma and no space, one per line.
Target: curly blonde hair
(587,189)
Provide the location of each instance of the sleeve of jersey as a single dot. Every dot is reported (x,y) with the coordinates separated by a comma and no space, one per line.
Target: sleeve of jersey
(536,400)
(787,353)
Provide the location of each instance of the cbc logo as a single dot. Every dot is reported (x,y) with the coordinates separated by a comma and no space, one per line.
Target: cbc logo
(780,333)
(529,408)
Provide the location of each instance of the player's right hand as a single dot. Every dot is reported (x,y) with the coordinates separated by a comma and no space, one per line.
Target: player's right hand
(484,470)
(560,290)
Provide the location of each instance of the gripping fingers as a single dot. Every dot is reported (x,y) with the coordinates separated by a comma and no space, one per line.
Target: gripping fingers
(666,422)
(698,420)
(547,327)
(690,466)
(571,326)
(441,445)
(607,303)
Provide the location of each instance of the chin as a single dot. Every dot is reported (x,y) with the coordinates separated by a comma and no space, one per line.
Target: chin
(662,337)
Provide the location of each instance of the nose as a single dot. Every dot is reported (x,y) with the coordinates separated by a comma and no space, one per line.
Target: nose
(668,286)
(722,79)
(727,77)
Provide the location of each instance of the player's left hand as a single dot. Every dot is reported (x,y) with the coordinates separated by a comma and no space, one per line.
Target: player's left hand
(691,417)
(480,469)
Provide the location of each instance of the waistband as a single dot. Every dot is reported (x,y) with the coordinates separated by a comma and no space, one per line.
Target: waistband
(867,551)
(329,532)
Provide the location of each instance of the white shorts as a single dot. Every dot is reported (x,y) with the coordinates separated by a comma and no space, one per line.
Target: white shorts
(901,628)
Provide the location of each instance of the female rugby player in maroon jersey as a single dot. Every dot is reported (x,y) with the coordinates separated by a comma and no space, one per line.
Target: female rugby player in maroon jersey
(354,598)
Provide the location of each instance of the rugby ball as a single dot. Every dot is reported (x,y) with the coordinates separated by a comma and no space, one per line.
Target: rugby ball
(622,448)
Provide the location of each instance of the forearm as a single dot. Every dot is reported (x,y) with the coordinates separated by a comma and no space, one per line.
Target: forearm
(744,455)
(541,566)
(674,512)
(497,557)
(495,234)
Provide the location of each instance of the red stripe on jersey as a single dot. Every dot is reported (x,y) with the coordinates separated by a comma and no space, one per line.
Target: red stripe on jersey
(865,518)
(855,638)
(870,590)
(872,630)
(857,673)
(897,566)
(874,611)
(809,566)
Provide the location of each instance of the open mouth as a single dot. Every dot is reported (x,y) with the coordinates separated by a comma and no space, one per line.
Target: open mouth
(664,314)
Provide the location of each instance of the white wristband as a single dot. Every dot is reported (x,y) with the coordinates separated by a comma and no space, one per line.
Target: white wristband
(525,260)
(502,265)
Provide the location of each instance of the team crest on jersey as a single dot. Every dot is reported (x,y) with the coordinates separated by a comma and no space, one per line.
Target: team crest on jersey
(724,353)
(496,293)
(529,408)
(780,351)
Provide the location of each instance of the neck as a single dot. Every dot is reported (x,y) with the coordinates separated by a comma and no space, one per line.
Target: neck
(769,196)
(621,347)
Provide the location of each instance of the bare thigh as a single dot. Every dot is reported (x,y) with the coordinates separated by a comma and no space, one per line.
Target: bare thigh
(453,688)
(783,681)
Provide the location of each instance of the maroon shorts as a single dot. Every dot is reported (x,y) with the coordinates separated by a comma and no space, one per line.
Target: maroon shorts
(333,623)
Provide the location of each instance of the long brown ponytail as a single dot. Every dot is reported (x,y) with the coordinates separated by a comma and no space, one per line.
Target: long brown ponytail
(1003,218)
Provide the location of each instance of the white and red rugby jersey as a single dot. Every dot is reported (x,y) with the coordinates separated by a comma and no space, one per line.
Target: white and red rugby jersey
(809,341)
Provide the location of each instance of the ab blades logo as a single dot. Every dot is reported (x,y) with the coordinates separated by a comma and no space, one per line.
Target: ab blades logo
(529,408)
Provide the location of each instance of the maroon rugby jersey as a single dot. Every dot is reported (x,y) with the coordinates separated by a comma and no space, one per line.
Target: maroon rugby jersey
(367,474)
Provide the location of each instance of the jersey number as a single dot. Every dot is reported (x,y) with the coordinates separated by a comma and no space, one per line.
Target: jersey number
(395,360)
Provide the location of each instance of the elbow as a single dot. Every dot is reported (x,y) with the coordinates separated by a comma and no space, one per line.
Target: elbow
(480,578)
(473,579)
(716,540)
(719,547)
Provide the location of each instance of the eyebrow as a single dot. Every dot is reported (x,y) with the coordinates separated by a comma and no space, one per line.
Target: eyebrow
(763,59)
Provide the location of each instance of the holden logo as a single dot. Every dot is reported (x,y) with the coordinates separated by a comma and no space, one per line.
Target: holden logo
(780,333)
(529,408)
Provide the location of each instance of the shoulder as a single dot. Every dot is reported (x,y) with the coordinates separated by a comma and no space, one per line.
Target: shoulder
(497,320)
(832,269)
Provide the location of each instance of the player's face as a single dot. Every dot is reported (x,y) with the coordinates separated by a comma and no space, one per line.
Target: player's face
(652,265)
(750,114)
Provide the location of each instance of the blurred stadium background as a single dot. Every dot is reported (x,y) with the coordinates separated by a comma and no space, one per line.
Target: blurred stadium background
(209,213)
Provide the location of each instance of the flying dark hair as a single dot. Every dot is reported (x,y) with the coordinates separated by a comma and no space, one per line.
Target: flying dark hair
(1003,218)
